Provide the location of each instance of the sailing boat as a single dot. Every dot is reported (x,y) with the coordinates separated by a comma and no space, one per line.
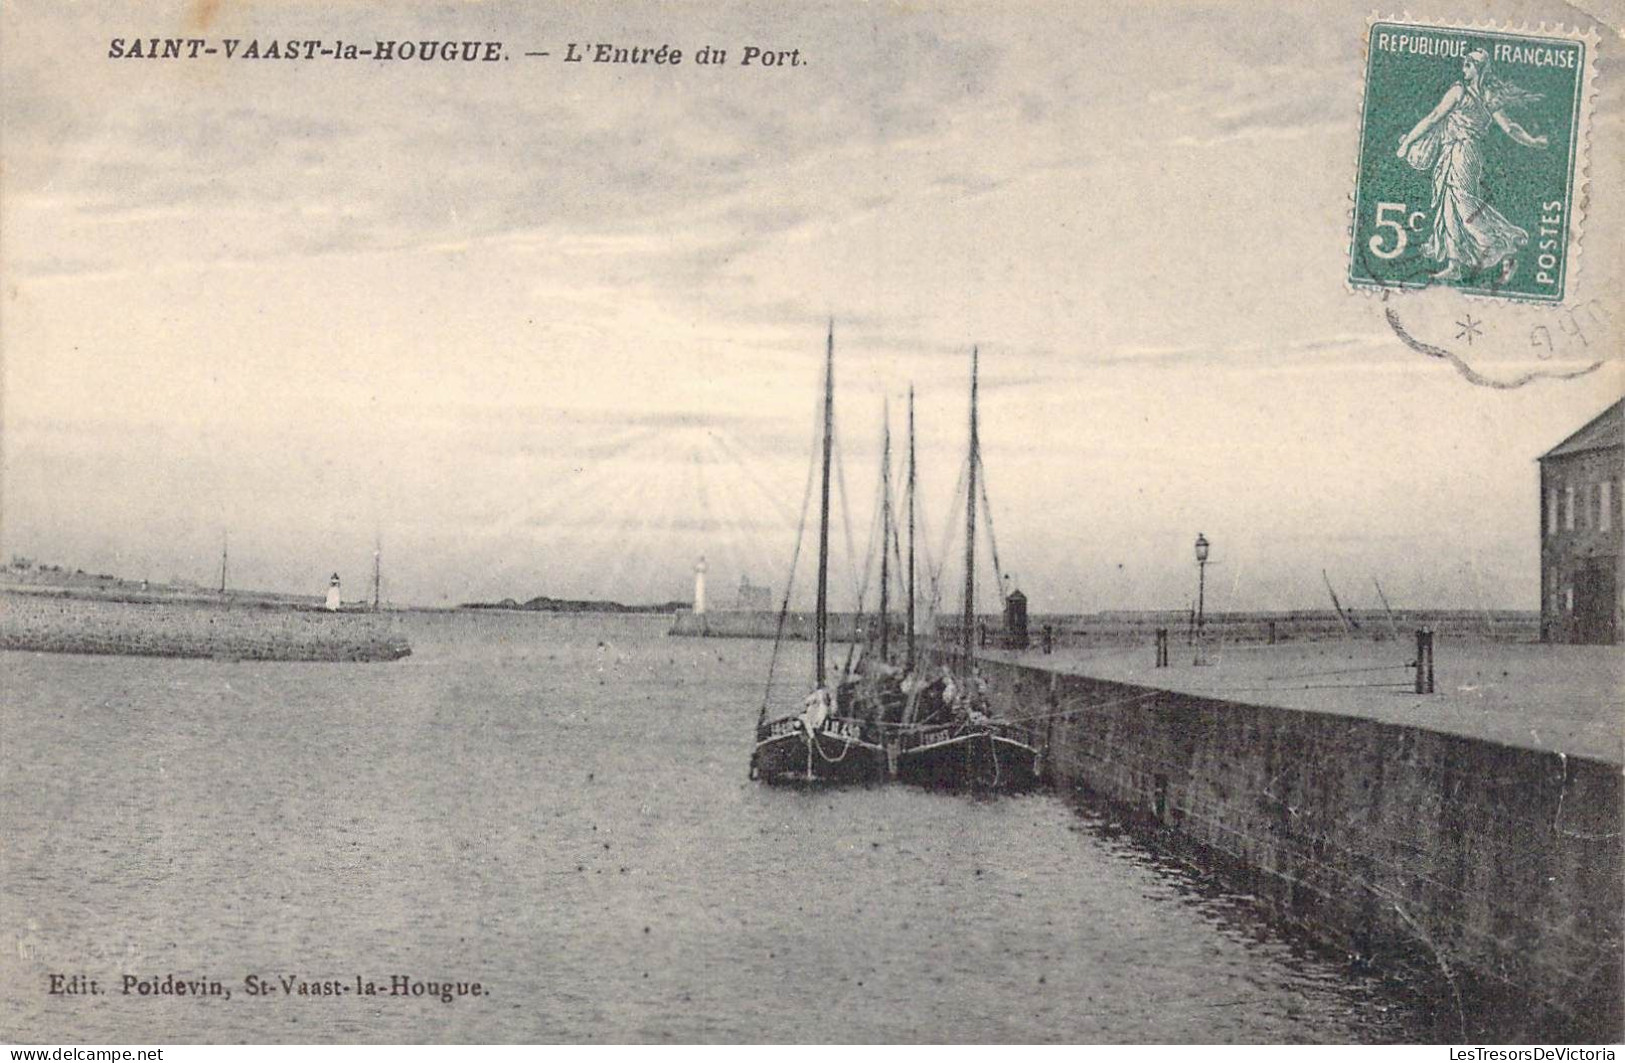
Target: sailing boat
(878,673)
(878,685)
(950,738)
(830,739)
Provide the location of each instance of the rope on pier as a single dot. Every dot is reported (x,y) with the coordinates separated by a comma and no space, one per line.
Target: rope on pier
(1353,686)
(1343,671)
(1072,705)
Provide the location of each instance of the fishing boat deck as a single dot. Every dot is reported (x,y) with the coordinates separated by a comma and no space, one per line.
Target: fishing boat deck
(1562,699)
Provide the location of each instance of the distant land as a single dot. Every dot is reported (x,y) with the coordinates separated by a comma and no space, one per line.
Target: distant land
(23,575)
(544,604)
(27,576)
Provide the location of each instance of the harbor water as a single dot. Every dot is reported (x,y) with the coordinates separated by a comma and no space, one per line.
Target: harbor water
(557,808)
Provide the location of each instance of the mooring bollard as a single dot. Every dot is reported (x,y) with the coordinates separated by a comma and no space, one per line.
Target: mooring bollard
(1162,647)
(1424,660)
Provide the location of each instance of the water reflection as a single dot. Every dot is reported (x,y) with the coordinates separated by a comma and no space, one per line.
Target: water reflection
(558,807)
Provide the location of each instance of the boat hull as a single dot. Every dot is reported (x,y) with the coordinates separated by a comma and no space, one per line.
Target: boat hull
(968,757)
(838,751)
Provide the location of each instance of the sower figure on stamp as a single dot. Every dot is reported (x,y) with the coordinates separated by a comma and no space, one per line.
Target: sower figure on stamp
(1468,233)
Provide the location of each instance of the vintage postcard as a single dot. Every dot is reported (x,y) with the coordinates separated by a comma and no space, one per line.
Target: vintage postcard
(835,522)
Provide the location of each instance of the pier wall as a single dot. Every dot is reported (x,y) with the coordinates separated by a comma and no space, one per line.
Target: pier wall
(1492,871)
(64,624)
(1137,629)
(1310,625)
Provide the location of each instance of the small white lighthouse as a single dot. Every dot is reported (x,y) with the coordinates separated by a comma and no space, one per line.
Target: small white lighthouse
(333,593)
(699,587)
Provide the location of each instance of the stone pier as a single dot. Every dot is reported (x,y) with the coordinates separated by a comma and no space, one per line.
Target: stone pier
(1470,837)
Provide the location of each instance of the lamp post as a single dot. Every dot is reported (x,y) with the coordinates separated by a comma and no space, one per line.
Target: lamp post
(1201,594)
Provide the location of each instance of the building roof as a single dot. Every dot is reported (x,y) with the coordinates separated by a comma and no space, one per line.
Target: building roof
(1605,430)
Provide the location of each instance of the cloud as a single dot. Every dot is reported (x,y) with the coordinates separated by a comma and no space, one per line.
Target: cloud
(1246,354)
(424,155)
(481,304)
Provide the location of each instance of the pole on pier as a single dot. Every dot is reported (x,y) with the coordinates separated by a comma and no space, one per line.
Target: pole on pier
(1424,660)
(1162,647)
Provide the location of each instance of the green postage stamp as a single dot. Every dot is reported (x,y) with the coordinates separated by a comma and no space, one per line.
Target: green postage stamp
(1472,160)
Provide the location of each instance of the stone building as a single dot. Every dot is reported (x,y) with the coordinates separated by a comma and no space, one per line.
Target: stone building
(1582,545)
(752,598)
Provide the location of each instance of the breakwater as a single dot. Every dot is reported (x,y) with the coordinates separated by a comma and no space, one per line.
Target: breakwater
(58,623)
(762,624)
(1491,871)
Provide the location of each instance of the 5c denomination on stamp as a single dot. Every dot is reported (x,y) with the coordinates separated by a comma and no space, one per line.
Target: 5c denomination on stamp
(1472,148)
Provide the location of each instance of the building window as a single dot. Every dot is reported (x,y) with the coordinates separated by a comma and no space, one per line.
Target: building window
(1568,507)
(1605,511)
(1551,511)
(1568,599)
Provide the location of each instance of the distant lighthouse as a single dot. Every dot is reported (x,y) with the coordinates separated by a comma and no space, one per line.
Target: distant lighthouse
(333,593)
(699,587)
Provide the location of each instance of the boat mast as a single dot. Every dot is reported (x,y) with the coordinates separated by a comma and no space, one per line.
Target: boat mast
(821,620)
(885,538)
(911,527)
(966,634)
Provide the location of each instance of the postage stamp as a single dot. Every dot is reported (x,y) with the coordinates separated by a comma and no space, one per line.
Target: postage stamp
(1472,160)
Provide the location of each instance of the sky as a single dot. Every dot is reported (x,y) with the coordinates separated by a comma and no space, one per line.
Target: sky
(549,328)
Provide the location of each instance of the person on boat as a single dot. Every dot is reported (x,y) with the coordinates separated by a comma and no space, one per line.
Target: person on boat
(893,698)
(1468,233)
(970,698)
(816,709)
(919,696)
(856,698)
(883,693)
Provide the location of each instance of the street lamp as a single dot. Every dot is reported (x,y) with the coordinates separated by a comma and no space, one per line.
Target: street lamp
(1201,594)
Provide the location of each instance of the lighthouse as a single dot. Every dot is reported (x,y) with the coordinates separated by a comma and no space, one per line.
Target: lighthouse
(333,593)
(699,587)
